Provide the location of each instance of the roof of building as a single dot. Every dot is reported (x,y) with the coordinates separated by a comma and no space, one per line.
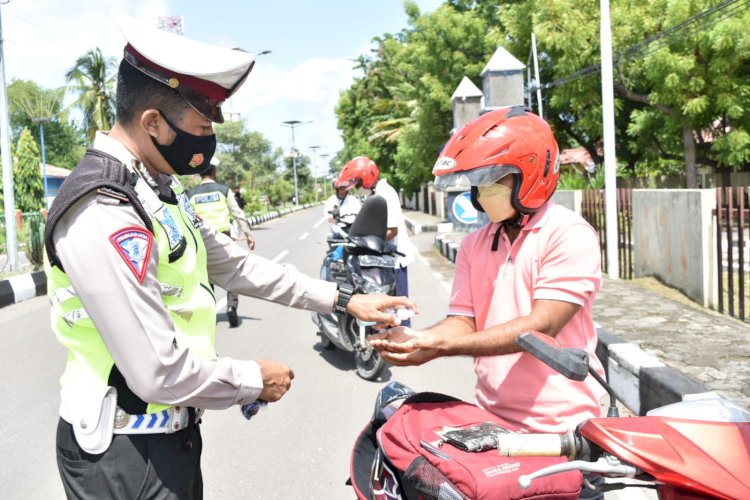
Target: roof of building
(466,89)
(577,155)
(502,60)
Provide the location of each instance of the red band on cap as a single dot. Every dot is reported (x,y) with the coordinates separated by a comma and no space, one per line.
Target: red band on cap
(204,87)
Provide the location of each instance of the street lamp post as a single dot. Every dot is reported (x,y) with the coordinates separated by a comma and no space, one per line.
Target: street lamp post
(315,167)
(325,177)
(41,122)
(294,124)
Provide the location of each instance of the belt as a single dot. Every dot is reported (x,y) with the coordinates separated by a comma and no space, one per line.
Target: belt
(167,421)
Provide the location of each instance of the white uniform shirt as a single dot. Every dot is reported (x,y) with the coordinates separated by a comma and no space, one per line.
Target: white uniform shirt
(132,319)
(350,206)
(396,219)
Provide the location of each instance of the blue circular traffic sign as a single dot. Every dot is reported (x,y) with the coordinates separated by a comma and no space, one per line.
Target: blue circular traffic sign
(463,210)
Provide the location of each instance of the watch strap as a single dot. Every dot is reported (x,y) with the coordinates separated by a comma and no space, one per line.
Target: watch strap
(345,295)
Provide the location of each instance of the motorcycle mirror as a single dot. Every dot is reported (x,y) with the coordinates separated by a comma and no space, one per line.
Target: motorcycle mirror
(572,363)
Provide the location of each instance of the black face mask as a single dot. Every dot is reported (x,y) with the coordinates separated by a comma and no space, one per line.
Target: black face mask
(188,154)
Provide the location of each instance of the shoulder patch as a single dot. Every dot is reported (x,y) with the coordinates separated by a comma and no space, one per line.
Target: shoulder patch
(134,246)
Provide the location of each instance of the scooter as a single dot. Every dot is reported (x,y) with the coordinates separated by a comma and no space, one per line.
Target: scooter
(359,257)
(688,450)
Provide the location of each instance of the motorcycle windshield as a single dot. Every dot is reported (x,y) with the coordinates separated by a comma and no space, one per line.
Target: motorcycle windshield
(707,409)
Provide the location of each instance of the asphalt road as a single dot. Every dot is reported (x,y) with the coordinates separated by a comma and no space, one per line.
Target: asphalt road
(298,448)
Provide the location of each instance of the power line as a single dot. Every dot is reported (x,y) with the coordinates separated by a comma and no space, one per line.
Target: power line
(702,20)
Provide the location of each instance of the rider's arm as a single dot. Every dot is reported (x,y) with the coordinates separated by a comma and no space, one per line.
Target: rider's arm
(546,316)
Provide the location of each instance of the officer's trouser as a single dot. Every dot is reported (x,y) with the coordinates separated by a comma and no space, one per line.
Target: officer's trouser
(233,299)
(153,466)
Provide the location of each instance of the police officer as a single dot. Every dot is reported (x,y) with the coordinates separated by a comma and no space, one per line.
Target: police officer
(216,206)
(129,266)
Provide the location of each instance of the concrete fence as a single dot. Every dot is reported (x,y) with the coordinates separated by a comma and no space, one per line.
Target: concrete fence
(674,238)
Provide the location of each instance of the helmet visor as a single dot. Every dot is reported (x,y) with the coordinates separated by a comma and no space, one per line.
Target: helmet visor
(483,176)
(348,183)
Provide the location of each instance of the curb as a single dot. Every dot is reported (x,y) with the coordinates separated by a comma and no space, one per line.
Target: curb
(30,285)
(22,287)
(640,381)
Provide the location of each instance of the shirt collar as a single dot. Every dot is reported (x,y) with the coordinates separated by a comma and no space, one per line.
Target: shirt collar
(106,144)
(539,218)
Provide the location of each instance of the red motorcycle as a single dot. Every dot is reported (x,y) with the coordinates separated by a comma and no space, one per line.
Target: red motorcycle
(689,450)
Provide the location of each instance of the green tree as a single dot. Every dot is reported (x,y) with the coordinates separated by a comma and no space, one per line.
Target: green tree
(27,178)
(681,99)
(92,80)
(399,111)
(28,104)
(681,82)
(247,157)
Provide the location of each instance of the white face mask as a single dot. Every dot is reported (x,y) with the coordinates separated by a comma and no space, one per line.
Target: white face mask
(364,191)
(495,200)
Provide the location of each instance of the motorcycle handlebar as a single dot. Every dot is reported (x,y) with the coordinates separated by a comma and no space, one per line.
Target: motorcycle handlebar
(538,445)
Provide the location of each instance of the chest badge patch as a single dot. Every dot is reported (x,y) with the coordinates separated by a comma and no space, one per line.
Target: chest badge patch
(134,246)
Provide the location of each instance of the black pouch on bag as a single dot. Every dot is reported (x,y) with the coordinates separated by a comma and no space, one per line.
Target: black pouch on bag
(476,438)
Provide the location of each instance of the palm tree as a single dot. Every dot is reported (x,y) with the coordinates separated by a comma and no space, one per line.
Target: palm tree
(93,80)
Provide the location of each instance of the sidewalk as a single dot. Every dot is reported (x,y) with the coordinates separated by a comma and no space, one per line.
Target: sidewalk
(656,350)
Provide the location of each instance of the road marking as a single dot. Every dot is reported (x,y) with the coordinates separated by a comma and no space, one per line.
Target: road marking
(321,221)
(280,256)
(304,236)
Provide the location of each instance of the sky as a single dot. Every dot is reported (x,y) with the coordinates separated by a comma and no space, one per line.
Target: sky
(312,43)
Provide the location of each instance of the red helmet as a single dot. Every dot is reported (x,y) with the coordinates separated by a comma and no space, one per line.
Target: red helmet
(501,142)
(359,170)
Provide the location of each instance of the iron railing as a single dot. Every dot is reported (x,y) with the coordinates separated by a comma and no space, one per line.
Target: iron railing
(593,210)
(732,216)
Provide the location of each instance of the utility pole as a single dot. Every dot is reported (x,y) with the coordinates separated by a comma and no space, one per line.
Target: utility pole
(11,245)
(610,160)
(294,124)
(536,76)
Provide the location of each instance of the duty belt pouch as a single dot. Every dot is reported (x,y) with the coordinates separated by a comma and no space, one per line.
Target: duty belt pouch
(92,415)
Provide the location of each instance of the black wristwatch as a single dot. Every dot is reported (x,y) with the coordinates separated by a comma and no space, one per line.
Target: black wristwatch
(345,295)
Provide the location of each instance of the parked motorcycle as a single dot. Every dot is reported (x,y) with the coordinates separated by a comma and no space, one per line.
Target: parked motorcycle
(360,257)
(688,450)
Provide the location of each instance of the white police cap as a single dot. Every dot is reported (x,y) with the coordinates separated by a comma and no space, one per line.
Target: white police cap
(205,75)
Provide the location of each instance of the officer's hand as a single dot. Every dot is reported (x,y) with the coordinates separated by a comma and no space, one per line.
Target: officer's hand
(370,308)
(277,378)
(250,242)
